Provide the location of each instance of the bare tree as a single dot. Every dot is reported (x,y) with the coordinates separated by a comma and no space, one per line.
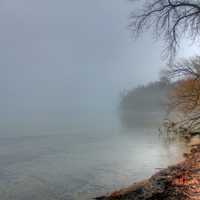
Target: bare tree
(184,97)
(184,69)
(170,20)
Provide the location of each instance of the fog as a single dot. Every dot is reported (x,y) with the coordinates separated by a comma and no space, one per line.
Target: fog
(59,57)
(63,65)
(62,58)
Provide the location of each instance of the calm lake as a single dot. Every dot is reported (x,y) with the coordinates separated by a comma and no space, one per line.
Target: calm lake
(84,159)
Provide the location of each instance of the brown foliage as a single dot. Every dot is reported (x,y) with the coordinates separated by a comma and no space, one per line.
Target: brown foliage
(185,97)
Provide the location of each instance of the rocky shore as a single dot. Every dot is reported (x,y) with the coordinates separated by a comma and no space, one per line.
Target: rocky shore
(177,182)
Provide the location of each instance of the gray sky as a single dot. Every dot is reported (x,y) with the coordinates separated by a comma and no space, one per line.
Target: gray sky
(70,54)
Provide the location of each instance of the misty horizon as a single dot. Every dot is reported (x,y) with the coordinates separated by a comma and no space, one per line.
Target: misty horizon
(63,68)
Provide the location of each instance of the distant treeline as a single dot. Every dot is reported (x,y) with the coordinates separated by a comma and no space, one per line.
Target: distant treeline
(144,104)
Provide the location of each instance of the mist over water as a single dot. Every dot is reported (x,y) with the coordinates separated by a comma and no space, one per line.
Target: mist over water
(78,157)
(63,65)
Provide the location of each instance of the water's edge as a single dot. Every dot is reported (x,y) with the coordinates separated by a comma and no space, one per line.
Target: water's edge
(168,183)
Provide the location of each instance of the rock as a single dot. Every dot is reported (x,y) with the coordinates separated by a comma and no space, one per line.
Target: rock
(178,182)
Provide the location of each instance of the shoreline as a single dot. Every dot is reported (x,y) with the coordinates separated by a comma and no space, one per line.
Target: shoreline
(180,181)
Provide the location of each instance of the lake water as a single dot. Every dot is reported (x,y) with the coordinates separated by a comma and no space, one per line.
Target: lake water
(91,158)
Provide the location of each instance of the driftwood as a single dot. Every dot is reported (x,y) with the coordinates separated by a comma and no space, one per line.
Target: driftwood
(178,182)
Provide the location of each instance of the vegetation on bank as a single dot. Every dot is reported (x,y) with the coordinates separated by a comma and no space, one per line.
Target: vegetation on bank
(176,96)
(170,20)
(184,98)
(144,105)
